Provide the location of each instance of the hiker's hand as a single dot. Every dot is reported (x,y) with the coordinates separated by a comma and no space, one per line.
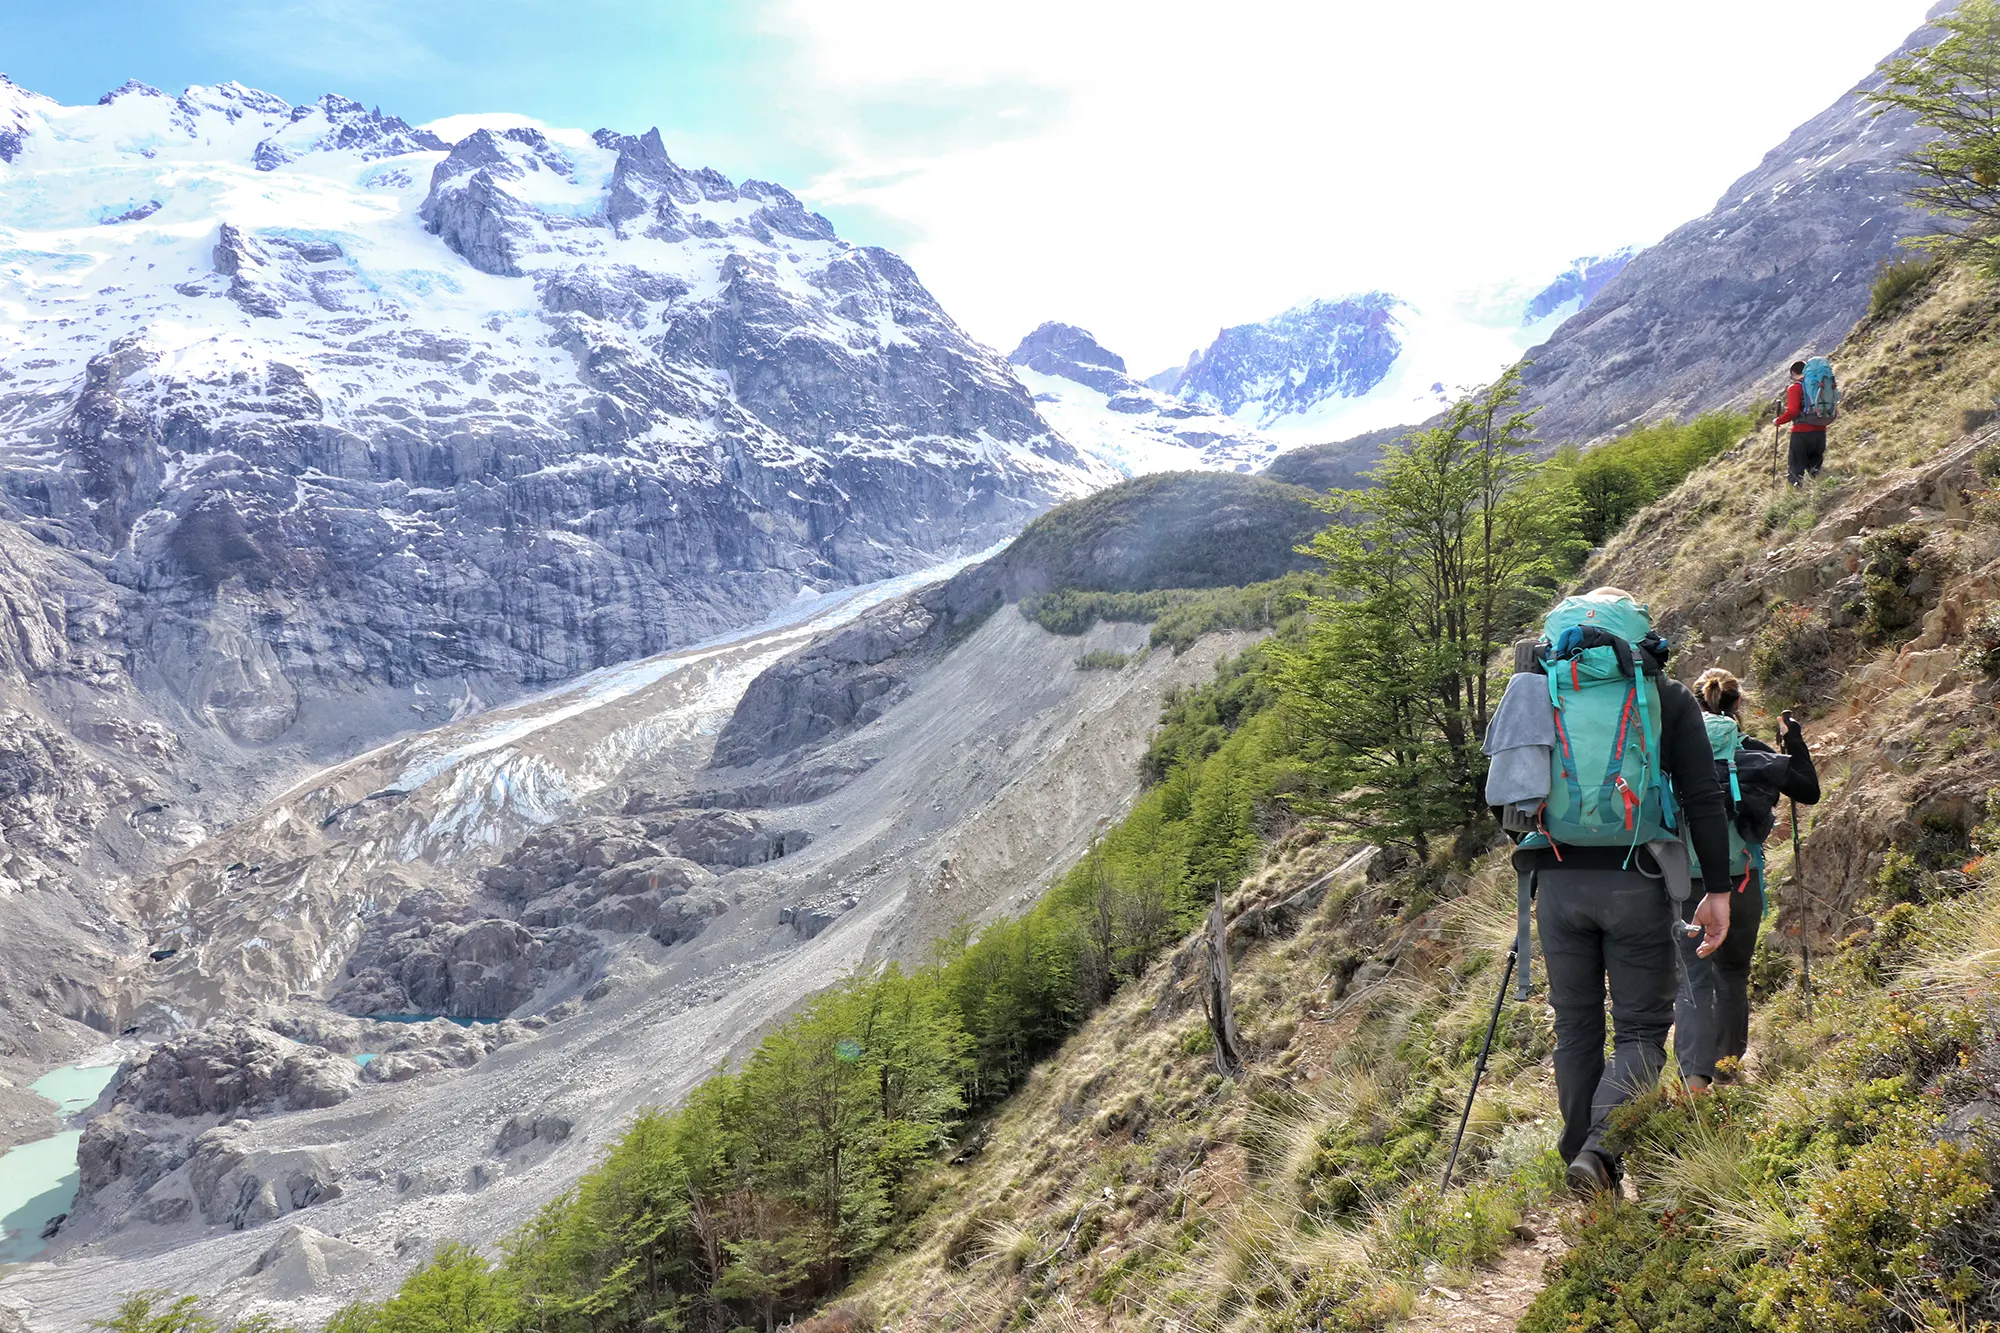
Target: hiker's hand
(1788,729)
(1713,918)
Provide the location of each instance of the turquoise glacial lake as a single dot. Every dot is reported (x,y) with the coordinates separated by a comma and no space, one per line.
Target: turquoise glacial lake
(38,1180)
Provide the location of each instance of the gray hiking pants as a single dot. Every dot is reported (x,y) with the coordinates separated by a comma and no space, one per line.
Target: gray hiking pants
(1712,1018)
(1605,929)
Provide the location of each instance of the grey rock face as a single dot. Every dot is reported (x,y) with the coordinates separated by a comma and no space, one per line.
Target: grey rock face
(1779,269)
(341,124)
(236,1067)
(521,1130)
(51,794)
(419,1049)
(120,1146)
(794,786)
(1068,351)
(413,962)
(238,1186)
(1294,361)
(1161,432)
(375,491)
(838,684)
(395,470)
(814,915)
(1580,284)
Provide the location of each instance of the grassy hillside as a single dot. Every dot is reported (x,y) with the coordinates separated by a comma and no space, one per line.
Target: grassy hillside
(1033,1133)
(1846,1185)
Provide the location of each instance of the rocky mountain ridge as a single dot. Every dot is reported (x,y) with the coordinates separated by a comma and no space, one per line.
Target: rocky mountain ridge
(316,428)
(409,411)
(1085,391)
(1372,360)
(1779,269)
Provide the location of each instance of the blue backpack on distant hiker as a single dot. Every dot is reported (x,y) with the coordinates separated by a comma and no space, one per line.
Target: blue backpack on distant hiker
(1819,403)
(1603,663)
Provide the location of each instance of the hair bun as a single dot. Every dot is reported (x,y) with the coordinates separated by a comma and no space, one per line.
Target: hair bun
(1719,690)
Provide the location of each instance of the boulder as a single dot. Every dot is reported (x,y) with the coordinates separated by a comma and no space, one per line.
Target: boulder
(233,1067)
(304,1261)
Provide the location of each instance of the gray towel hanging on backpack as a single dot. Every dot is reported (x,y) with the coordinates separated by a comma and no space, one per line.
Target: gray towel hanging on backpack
(1520,740)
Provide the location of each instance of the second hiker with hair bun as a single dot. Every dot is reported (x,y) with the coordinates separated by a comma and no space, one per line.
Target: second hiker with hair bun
(1712,1023)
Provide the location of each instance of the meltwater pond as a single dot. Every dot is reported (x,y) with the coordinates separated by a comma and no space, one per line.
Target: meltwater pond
(38,1180)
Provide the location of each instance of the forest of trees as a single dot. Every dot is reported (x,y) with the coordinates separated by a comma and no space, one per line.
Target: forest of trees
(760,1195)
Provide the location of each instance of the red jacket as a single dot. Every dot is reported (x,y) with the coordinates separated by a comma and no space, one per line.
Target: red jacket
(1795,403)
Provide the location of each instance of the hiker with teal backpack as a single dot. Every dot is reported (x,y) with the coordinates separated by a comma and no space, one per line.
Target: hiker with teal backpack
(1812,401)
(1602,765)
(1712,1024)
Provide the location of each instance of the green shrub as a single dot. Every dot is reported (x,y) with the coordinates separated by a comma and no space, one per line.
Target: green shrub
(1459,1231)
(1101,660)
(1900,576)
(1985,839)
(1617,479)
(1771,969)
(1896,279)
(163,1312)
(1335,1300)
(1629,1269)
(1794,657)
(1869,1257)
(1072,611)
(1179,616)
(1981,652)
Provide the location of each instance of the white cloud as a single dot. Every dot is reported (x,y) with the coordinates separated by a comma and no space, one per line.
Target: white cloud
(1155,171)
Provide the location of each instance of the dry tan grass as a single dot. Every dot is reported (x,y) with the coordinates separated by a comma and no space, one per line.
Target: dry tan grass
(1127,1106)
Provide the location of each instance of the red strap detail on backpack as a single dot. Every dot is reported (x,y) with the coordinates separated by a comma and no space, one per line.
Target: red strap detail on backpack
(1575,679)
(1625,793)
(1625,723)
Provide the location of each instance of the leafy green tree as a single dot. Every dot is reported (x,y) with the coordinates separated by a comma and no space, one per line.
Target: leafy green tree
(1953,87)
(456,1292)
(1434,568)
(163,1312)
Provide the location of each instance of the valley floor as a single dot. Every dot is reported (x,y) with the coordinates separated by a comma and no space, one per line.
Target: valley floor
(1006,758)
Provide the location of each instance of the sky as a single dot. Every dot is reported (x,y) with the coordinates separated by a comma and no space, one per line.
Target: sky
(1150,169)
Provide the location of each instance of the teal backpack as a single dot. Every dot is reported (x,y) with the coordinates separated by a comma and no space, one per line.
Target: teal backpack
(1725,740)
(1606,789)
(1819,404)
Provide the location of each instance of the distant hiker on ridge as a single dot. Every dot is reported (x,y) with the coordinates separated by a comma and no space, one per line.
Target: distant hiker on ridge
(1712,1021)
(1812,401)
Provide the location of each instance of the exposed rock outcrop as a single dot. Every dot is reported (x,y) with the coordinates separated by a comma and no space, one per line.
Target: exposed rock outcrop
(236,1068)
(1294,362)
(1085,391)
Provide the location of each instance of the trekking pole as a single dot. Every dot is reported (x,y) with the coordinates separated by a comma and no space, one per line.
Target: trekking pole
(1805,926)
(1492,1024)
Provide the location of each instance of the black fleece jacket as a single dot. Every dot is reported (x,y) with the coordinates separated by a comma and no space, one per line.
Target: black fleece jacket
(1801,778)
(1686,758)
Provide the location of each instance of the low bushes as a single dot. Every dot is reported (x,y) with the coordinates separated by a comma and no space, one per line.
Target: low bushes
(1896,279)
(1620,477)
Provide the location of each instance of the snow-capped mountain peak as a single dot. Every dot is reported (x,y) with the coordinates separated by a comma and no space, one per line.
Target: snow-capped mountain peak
(417,403)
(1329,369)
(1084,391)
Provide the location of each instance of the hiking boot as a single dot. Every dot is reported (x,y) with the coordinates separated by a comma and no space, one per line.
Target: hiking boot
(1590,1175)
